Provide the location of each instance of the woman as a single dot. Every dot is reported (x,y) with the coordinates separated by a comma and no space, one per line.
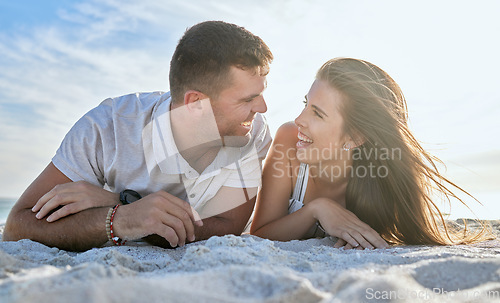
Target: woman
(350,167)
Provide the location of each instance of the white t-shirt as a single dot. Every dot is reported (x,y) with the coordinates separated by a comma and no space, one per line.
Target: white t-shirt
(127,143)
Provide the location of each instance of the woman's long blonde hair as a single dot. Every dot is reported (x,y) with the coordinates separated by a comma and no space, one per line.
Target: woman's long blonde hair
(396,200)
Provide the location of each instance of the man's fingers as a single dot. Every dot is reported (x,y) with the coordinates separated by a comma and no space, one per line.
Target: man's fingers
(68,209)
(186,221)
(53,203)
(71,197)
(63,212)
(170,235)
(166,216)
(195,217)
(57,196)
(42,201)
(178,226)
(72,202)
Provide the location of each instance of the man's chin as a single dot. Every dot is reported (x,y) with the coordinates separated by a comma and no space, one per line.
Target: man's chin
(236,141)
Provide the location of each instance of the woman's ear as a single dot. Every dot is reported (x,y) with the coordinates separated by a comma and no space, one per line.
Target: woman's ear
(355,141)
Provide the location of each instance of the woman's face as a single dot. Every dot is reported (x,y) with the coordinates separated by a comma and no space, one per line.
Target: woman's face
(320,126)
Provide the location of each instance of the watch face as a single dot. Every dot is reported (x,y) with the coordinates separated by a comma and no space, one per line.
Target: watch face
(128,196)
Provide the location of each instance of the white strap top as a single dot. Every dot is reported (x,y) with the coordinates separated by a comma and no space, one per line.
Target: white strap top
(296,202)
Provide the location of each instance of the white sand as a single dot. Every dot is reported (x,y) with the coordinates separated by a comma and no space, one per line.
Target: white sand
(249,269)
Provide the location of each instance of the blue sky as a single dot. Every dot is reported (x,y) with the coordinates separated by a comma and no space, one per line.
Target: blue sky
(59,59)
(22,14)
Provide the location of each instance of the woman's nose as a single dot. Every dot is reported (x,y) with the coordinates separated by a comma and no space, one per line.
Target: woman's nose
(299,121)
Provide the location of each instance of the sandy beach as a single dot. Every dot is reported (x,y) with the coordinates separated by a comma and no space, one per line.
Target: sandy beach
(250,269)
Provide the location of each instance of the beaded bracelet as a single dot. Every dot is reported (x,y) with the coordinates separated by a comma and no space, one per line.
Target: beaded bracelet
(108,224)
(115,240)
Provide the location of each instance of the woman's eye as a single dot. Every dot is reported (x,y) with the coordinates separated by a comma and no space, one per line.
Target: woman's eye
(305,103)
(318,114)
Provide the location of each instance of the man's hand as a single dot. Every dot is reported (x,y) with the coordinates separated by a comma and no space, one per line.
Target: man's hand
(159,213)
(343,224)
(73,197)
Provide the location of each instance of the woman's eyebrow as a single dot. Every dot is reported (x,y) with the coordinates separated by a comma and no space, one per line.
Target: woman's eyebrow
(319,110)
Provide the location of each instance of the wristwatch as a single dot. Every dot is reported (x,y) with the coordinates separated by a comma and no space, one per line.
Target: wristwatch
(128,196)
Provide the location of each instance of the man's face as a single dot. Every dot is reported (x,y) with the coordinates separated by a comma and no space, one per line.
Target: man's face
(236,105)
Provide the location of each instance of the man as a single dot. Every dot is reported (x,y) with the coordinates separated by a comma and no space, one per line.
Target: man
(189,160)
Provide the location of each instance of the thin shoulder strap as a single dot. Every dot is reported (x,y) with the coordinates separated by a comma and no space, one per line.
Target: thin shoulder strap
(304,183)
(301,183)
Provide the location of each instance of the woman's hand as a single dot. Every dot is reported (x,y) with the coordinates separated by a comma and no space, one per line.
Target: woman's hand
(343,224)
(73,197)
(343,244)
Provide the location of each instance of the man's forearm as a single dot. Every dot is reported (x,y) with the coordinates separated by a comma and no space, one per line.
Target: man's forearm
(217,226)
(78,232)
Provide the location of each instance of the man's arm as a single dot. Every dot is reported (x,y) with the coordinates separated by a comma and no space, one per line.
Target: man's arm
(230,222)
(81,231)
(158,213)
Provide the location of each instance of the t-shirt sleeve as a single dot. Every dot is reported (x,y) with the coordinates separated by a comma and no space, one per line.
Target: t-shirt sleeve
(248,172)
(80,155)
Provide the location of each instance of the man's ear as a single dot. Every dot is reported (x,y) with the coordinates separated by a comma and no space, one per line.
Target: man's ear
(192,98)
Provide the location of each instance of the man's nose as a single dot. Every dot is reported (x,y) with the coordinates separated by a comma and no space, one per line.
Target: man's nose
(260,105)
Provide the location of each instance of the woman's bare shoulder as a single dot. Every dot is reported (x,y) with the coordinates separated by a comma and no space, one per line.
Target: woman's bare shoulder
(286,135)
(285,144)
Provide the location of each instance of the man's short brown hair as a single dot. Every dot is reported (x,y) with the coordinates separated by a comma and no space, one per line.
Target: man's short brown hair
(206,52)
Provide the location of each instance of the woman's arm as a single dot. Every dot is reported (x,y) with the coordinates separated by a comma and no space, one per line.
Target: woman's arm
(271,218)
